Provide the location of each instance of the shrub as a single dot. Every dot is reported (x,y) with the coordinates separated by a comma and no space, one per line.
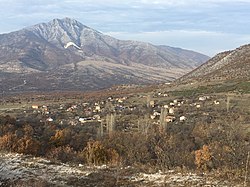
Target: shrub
(203,158)
(95,153)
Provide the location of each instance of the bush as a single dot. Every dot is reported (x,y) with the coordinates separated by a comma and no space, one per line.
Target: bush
(63,154)
(95,153)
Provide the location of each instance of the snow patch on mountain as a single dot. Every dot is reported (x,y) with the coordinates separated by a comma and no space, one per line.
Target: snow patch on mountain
(71,44)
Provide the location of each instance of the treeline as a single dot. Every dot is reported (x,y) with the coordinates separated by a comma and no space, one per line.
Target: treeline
(200,146)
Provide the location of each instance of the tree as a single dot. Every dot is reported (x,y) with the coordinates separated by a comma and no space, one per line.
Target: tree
(203,158)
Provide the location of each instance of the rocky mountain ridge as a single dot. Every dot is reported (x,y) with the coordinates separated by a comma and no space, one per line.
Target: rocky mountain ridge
(228,65)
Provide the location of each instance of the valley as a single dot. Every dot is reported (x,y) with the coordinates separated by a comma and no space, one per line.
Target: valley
(154,133)
(81,108)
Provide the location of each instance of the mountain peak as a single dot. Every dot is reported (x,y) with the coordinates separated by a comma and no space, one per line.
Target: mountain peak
(67,22)
(66,19)
(60,31)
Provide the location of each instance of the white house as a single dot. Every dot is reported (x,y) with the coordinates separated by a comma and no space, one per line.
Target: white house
(49,119)
(98,108)
(171,104)
(216,102)
(171,111)
(165,106)
(183,118)
(82,120)
(34,106)
(198,106)
(203,98)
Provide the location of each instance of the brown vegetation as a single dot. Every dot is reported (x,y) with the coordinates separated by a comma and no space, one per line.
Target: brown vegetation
(170,149)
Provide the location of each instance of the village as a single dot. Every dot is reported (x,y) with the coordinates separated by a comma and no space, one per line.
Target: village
(133,112)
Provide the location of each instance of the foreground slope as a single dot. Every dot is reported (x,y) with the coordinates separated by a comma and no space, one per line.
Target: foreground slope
(25,170)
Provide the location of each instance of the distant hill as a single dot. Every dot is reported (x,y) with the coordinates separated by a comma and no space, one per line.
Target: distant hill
(67,55)
(229,65)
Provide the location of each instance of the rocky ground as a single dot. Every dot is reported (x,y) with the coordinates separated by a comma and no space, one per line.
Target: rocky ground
(23,170)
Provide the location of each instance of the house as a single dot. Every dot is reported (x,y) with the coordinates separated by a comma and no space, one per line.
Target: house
(98,108)
(44,109)
(61,107)
(203,98)
(152,116)
(120,100)
(165,106)
(171,111)
(34,106)
(110,98)
(49,119)
(97,117)
(171,104)
(152,103)
(183,118)
(170,118)
(216,102)
(70,109)
(156,113)
(82,120)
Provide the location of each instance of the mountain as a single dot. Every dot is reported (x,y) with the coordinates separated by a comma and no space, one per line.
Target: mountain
(67,55)
(229,65)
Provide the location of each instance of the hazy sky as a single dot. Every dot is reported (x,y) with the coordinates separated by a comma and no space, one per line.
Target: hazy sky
(207,26)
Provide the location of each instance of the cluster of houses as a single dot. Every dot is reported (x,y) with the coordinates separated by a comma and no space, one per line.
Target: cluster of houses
(158,105)
(172,107)
(80,113)
(169,110)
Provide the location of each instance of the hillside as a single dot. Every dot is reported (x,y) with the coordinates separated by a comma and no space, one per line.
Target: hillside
(225,66)
(58,51)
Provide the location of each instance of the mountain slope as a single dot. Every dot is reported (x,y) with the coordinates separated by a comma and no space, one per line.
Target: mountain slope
(48,49)
(229,65)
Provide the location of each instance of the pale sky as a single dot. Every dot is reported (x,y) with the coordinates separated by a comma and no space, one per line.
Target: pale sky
(207,26)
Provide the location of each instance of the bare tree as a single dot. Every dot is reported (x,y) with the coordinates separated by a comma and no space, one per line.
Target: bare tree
(163,115)
(148,100)
(143,124)
(110,123)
